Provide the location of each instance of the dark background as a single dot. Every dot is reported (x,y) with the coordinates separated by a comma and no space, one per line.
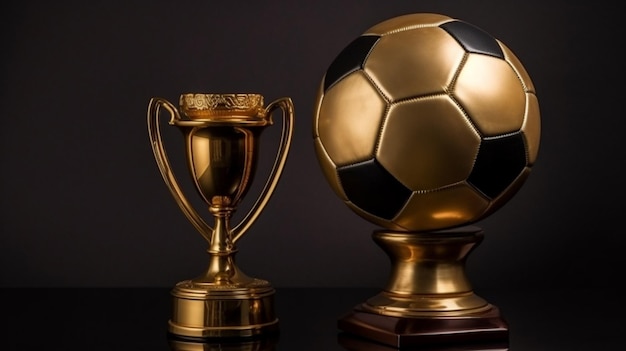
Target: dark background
(83,203)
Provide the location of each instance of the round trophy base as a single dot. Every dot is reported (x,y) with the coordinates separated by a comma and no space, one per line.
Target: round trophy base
(202,311)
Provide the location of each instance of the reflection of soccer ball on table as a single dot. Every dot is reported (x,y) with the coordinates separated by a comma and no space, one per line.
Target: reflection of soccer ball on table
(425,122)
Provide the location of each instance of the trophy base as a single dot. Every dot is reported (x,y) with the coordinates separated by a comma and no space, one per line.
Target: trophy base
(204,311)
(486,326)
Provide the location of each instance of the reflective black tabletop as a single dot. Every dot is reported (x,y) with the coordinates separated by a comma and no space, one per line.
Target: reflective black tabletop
(136,319)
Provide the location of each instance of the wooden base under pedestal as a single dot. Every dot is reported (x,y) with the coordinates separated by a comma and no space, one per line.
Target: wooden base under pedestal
(399,332)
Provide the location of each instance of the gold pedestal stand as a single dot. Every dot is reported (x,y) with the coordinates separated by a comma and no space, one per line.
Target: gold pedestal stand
(428,299)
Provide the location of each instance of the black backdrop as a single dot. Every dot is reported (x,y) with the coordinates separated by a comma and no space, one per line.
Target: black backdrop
(83,204)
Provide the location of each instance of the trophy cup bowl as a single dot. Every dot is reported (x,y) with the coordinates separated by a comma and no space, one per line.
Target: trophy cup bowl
(424,125)
(221,134)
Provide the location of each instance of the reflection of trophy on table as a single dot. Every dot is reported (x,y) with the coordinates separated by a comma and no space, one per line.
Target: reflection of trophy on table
(425,124)
(221,133)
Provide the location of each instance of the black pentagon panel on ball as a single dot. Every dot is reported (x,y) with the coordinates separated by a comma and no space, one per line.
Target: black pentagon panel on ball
(350,59)
(500,160)
(372,188)
(473,39)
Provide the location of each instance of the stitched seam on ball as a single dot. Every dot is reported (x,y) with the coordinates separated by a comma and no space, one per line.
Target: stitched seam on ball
(385,113)
(418,97)
(500,136)
(468,119)
(442,188)
(415,26)
(450,88)
(517,72)
(450,91)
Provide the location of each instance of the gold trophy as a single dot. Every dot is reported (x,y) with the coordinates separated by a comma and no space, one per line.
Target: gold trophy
(425,125)
(221,134)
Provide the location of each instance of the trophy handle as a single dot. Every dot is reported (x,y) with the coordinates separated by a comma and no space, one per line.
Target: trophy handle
(154,108)
(286,105)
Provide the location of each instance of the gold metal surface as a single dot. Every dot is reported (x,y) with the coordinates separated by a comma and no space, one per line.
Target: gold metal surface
(445,207)
(427,275)
(206,106)
(439,56)
(490,92)
(352,111)
(431,210)
(442,139)
(221,134)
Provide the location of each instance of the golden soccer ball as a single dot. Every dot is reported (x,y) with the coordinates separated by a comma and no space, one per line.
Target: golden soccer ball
(425,122)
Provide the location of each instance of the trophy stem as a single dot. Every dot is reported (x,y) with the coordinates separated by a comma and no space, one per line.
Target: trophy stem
(221,241)
(222,269)
(428,297)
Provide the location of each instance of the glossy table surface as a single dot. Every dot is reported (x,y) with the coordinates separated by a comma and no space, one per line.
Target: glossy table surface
(136,319)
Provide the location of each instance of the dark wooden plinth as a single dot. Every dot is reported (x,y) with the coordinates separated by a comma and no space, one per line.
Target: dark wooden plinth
(351,342)
(404,332)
